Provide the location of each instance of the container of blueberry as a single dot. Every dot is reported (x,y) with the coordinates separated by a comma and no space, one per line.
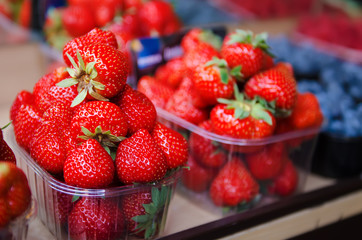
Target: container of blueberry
(337,84)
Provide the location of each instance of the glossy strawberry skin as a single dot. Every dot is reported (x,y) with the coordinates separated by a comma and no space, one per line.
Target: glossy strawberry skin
(96,219)
(47,147)
(137,108)
(96,35)
(92,114)
(89,166)
(173,145)
(224,122)
(6,153)
(77,20)
(15,194)
(181,104)
(268,162)
(233,185)
(23,97)
(139,159)
(157,92)
(208,83)
(273,85)
(191,39)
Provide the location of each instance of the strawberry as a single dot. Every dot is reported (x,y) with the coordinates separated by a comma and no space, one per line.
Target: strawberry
(26,121)
(127,24)
(233,185)
(244,50)
(175,71)
(15,194)
(139,159)
(25,14)
(89,166)
(23,97)
(306,112)
(60,114)
(157,92)
(196,35)
(132,5)
(96,219)
(47,147)
(199,56)
(172,143)
(6,153)
(137,108)
(181,104)
(103,13)
(77,20)
(196,178)
(242,118)
(276,84)
(100,72)
(96,35)
(144,210)
(63,205)
(162,14)
(268,162)
(103,121)
(286,182)
(207,152)
(212,81)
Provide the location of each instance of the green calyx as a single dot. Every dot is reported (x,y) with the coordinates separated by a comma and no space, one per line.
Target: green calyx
(257,108)
(83,75)
(151,221)
(105,138)
(247,36)
(224,69)
(209,37)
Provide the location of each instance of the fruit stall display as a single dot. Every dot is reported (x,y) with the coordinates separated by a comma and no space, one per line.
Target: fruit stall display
(17,207)
(98,161)
(251,133)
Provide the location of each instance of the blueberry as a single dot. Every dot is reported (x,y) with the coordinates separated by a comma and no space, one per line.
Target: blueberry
(336,127)
(352,124)
(312,86)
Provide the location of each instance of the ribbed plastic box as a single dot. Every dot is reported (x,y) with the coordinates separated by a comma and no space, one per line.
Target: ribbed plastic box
(298,146)
(58,210)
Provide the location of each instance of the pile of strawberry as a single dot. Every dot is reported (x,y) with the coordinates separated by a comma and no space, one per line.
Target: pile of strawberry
(128,19)
(84,124)
(234,89)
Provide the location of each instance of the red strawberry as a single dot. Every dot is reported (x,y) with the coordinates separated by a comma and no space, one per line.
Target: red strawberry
(196,35)
(139,159)
(176,71)
(287,181)
(241,118)
(306,112)
(196,178)
(100,72)
(96,35)
(267,163)
(212,81)
(23,97)
(103,13)
(127,24)
(181,104)
(60,114)
(233,185)
(132,5)
(26,121)
(47,147)
(89,166)
(15,194)
(157,92)
(96,219)
(162,14)
(207,152)
(103,121)
(6,153)
(138,109)
(144,211)
(172,143)
(275,84)
(63,205)
(243,49)
(77,20)
(199,56)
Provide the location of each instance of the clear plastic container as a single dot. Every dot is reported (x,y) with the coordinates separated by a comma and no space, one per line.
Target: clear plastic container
(57,202)
(299,148)
(18,228)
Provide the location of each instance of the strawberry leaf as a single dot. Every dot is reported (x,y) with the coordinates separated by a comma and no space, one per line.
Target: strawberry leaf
(75,198)
(224,76)
(79,98)
(211,38)
(67,82)
(258,112)
(236,72)
(72,61)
